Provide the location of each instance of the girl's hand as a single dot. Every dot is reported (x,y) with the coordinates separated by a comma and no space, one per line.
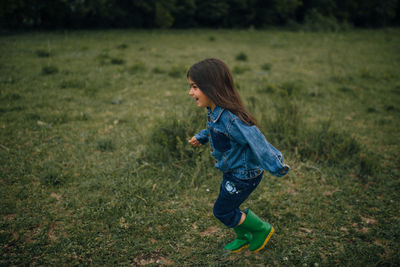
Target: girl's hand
(194,142)
(285,169)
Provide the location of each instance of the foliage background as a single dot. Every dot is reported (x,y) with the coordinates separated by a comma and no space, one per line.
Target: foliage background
(55,14)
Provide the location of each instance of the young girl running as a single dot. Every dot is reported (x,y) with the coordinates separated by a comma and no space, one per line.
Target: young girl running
(241,151)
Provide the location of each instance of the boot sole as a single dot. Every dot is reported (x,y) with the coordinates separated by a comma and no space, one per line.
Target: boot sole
(240,249)
(266,240)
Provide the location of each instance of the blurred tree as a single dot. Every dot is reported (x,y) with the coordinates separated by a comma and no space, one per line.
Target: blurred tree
(374,13)
(285,10)
(135,13)
(98,13)
(242,13)
(162,13)
(367,13)
(276,12)
(212,13)
(15,14)
(50,14)
(184,14)
(33,14)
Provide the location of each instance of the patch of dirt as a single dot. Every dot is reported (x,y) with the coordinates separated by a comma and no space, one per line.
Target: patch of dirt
(153,258)
(209,231)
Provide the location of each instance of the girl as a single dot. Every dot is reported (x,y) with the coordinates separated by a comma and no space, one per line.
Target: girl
(240,149)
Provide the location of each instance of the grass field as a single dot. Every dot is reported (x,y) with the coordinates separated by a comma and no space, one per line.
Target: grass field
(95,166)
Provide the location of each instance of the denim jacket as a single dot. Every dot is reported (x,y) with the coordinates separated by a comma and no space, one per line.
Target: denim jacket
(238,148)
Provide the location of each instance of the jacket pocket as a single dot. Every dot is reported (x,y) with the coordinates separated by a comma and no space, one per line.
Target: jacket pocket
(221,142)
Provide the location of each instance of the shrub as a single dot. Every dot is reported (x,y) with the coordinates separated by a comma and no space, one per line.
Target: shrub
(48,70)
(321,144)
(163,17)
(315,21)
(284,129)
(241,56)
(369,165)
(290,89)
(158,70)
(168,139)
(122,46)
(266,66)
(389,108)
(346,89)
(332,147)
(117,61)
(42,53)
(105,145)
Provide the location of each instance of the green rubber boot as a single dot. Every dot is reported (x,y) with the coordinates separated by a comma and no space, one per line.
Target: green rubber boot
(261,231)
(241,241)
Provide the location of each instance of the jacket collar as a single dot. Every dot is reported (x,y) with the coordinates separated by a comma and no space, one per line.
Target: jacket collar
(215,114)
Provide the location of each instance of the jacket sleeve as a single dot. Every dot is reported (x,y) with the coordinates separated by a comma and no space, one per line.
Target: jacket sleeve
(202,136)
(270,158)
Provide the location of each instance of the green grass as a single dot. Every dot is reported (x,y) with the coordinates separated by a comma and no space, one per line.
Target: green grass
(95,166)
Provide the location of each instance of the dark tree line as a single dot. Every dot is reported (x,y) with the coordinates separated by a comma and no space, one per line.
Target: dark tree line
(55,14)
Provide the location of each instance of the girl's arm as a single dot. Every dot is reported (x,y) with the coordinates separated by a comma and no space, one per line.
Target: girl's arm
(270,158)
(202,136)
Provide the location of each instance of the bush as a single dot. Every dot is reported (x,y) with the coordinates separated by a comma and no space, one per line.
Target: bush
(369,165)
(266,66)
(158,70)
(322,144)
(284,129)
(122,46)
(315,21)
(42,53)
(290,89)
(117,61)
(241,56)
(163,18)
(325,145)
(48,70)
(168,139)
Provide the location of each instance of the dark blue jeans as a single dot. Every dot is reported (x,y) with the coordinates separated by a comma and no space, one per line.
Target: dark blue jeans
(233,192)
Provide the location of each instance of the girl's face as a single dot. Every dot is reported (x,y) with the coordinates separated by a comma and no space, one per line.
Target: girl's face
(201,99)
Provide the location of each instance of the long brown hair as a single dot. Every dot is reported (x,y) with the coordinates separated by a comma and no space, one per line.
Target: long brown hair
(215,80)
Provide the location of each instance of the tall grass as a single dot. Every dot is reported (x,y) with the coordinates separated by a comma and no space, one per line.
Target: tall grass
(322,143)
